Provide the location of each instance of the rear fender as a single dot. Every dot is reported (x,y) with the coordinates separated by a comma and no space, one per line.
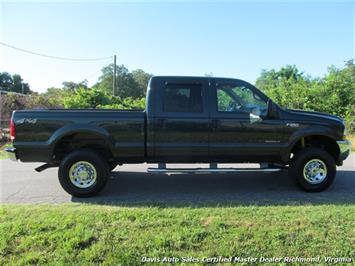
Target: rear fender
(80,128)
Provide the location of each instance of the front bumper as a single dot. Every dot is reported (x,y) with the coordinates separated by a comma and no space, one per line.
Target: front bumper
(11,154)
(344,148)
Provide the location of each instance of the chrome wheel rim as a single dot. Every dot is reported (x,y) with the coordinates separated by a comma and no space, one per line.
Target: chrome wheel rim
(82,174)
(315,171)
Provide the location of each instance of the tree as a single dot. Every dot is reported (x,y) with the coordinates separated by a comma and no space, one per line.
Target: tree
(5,81)
(13,83)
(55,96)
(339,90)
(127,84)
(87,98)
(19,86)
(287,86)
(334,93)
(141,79)
(73,86)
(271,78)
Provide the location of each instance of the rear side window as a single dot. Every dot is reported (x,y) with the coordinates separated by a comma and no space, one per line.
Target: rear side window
(183,98)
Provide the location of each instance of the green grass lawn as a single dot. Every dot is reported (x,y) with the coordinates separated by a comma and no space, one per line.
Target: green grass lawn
(352,139)
(3,154)
(77,234)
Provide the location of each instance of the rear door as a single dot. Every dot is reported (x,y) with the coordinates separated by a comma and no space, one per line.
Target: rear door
(181,124)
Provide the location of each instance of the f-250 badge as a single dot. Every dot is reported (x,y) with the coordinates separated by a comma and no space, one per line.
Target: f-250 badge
(292,124)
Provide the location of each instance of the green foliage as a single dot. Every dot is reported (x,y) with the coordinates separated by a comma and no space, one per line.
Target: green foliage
(3,153)
(13,83)
(87,98)
(128,84)
(55,96)
(141,79)
(73,87)
(334,93)
(223,100)
(96,98)
(12,101)
(125,104)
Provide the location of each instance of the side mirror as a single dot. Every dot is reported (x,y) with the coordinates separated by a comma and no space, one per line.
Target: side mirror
(254,118)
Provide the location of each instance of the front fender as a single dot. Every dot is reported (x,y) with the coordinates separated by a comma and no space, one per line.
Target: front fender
(306,132)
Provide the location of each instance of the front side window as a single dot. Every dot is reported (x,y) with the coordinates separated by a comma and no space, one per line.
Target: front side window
(182,98)
(239,99)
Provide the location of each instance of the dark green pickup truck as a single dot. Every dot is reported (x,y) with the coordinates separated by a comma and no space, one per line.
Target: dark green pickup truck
(187,120)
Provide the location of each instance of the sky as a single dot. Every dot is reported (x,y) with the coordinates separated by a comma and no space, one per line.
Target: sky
(229,39)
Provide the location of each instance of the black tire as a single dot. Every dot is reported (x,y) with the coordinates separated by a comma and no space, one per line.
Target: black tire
(95,166)
(319,156)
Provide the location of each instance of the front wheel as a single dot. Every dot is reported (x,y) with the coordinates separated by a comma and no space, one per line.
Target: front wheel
(83,173)
(313,169)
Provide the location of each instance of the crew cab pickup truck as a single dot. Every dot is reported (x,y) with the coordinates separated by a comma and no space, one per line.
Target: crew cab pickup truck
(187,120)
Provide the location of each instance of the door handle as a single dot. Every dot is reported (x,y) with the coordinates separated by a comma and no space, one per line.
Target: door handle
(215,123)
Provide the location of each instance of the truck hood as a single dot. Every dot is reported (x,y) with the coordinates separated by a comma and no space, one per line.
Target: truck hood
(318,115)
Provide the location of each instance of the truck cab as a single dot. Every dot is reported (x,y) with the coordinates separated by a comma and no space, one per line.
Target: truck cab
(229,120)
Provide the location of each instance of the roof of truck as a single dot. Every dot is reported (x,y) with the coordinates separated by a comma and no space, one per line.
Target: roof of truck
(189,77)
(193,78)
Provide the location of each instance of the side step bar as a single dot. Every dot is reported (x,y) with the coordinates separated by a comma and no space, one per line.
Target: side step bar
(44,167)
(209,170)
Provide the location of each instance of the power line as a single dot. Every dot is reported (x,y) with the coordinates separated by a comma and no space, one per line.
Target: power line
(55,57)
(94,73)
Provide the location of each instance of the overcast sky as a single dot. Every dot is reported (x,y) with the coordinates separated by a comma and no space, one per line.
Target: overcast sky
(233,39)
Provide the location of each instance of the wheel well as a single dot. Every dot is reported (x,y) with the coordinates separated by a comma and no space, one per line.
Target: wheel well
(79,141)
(326,143)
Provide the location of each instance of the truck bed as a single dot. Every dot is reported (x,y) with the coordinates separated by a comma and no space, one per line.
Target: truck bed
(43,130)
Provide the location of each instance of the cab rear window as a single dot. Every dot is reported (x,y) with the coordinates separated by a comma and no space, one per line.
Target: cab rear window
(183,98)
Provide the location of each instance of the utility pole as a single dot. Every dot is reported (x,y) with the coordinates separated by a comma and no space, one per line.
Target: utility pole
(114,75)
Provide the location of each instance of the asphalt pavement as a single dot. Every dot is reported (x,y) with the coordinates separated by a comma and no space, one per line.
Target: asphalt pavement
(131,185)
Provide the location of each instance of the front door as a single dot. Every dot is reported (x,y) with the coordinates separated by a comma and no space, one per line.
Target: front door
(240,130)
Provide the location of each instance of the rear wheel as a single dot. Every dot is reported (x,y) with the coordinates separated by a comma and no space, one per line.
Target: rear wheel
(313,169)
(83,173)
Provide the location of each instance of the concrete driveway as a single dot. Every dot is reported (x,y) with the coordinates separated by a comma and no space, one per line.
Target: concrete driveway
(130,185)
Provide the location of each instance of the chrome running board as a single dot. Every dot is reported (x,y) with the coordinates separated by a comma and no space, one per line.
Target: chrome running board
(209,170)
